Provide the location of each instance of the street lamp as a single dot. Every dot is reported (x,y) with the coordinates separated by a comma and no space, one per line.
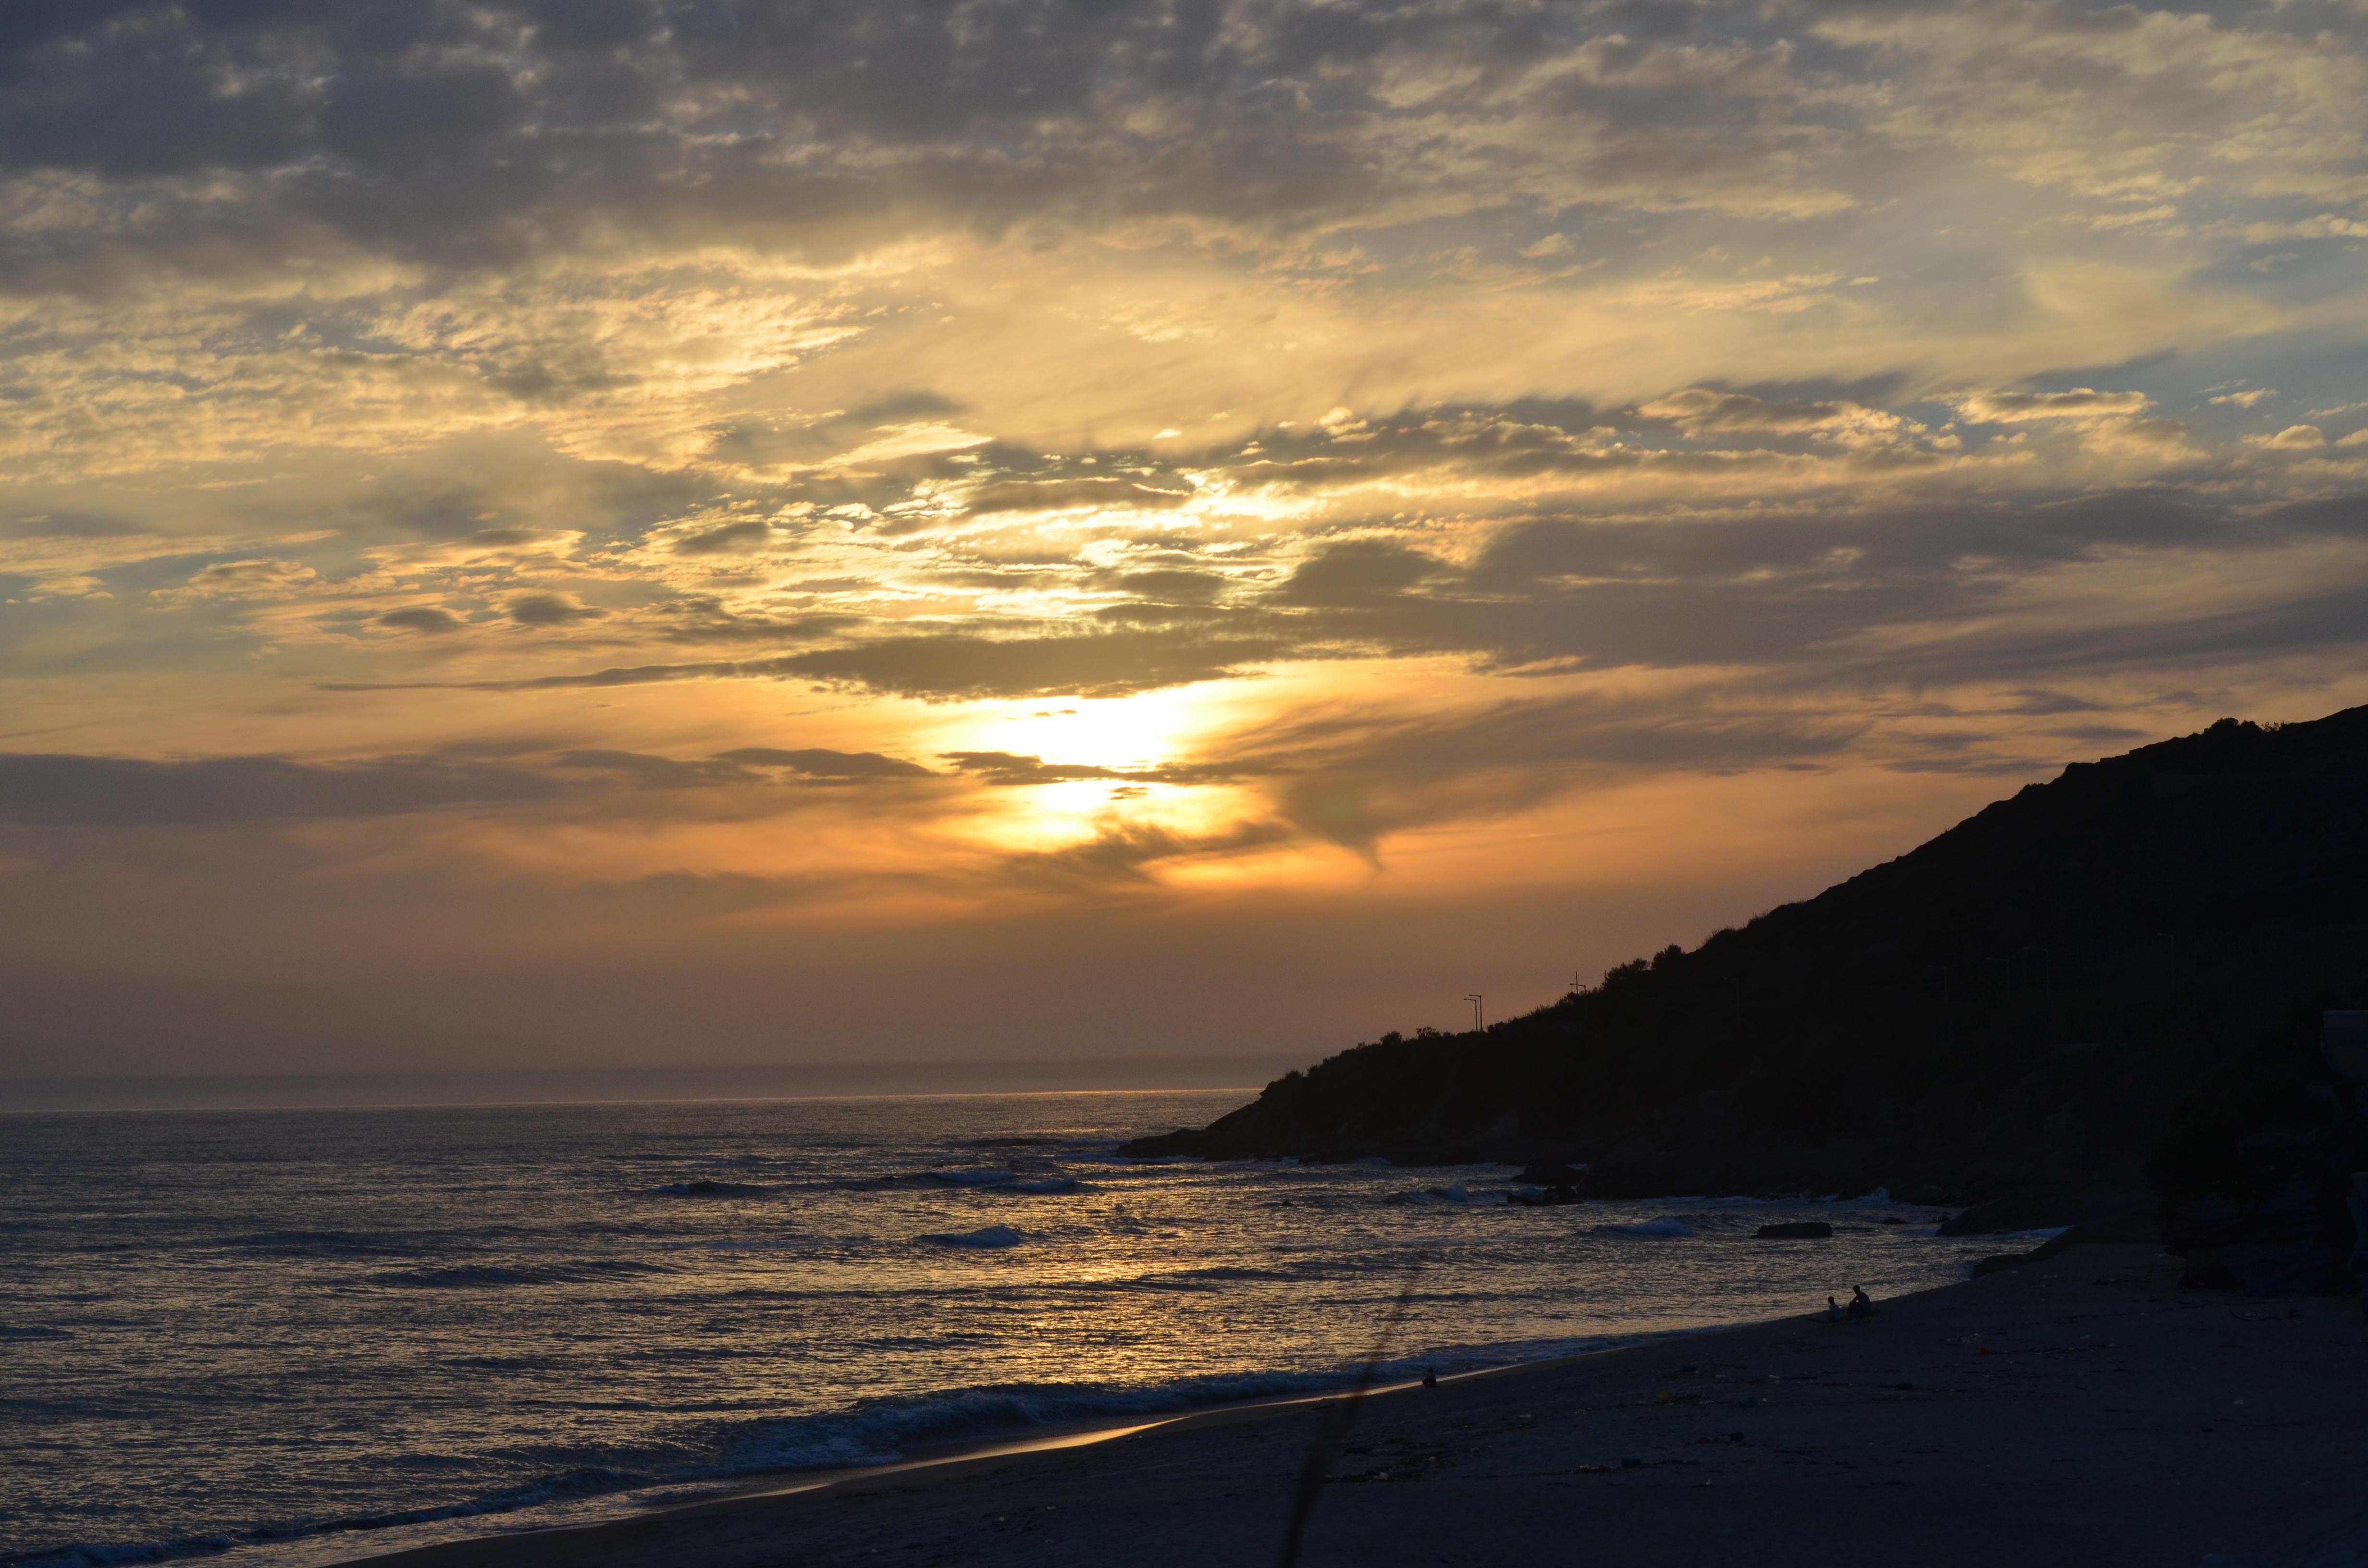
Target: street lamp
(1473,997)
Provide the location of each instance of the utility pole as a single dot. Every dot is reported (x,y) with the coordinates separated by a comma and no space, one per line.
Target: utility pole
(1473,997)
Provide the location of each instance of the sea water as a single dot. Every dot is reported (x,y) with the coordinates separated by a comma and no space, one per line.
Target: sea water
(288,1337)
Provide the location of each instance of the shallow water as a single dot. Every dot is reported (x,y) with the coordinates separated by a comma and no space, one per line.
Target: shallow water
(303,1336)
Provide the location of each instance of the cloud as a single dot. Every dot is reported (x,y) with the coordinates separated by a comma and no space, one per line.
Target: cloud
(865,375)
(1789,587)
(547,609)
(814,762)
(1353,777)
(1119,851)
(729,537)
(744,765)
(1700,411)
(1169,586)
(61,790)
(1007,768)
(64,790)
(79,556)
(1358,572)
(242,580)
(505,547)
(450,137)
(429,619)
(1062,495)
(2016,408)
(651,771)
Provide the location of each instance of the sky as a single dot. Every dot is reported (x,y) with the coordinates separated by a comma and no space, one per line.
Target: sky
(641,534)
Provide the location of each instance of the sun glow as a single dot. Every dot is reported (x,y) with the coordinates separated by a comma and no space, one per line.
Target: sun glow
(1072,771)
(1134,734)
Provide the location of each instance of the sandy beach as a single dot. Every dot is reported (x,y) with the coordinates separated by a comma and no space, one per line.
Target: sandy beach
(2076,1410)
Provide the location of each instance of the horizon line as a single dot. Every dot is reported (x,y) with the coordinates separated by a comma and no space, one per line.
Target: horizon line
(464,1088)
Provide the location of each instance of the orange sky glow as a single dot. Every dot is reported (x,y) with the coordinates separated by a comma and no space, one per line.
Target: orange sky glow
(652,536)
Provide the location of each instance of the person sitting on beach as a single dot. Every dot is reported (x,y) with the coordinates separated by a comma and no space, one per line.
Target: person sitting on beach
(1834,1313)
(1861,1304)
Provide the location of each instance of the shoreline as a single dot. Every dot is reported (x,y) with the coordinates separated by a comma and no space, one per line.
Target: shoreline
(1057,1437)
(685,1494)
(2093,1413)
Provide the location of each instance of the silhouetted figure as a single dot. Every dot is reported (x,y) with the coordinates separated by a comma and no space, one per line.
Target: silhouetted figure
(1430,1378)
(1861,1304)
(1834,1313)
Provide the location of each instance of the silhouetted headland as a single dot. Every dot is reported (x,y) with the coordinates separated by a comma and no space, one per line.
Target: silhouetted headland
(2096,1000)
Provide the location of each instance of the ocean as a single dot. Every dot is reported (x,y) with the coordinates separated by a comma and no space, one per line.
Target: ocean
(303,1336)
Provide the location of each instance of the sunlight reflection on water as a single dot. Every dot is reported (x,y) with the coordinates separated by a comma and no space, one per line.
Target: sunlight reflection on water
(220,1323)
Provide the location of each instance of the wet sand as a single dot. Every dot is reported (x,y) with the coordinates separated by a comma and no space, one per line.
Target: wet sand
(2078,1410)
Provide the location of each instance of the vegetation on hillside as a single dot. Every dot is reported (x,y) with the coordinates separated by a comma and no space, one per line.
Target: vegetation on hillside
(2099,969)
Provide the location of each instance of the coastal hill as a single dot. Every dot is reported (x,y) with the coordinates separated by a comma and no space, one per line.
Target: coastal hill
(2113,977)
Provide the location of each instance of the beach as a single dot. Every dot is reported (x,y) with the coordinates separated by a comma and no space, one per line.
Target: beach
(2076,1409)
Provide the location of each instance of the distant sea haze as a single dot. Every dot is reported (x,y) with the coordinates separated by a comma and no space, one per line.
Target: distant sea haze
(299,1335)
(637,1085)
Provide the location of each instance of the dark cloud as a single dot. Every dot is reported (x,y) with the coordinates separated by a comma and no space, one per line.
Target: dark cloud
(1003,767)
(916,404)
(547,609)
(1360,572)
(112,791)
(1788,592)
(1172,586)
(465,133)
(701,618)
(66,791)
(422,617)
(1350,778)
(2321,622)
(2099,734)
(729,538)
(816,763)
(653,772)
(952,667)
(1093,664)
(745,764)
(1868,548)
(2047,704)
(65,524)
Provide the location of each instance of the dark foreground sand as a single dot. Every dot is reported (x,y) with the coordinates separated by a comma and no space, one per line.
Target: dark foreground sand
(2078,1411)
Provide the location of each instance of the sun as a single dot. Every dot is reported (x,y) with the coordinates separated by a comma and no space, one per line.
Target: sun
(1135,738)
(1134,734)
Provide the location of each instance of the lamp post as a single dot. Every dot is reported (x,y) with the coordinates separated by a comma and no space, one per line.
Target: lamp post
(1473,997)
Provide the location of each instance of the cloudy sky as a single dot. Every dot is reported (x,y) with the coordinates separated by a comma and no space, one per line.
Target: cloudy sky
(627,532)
